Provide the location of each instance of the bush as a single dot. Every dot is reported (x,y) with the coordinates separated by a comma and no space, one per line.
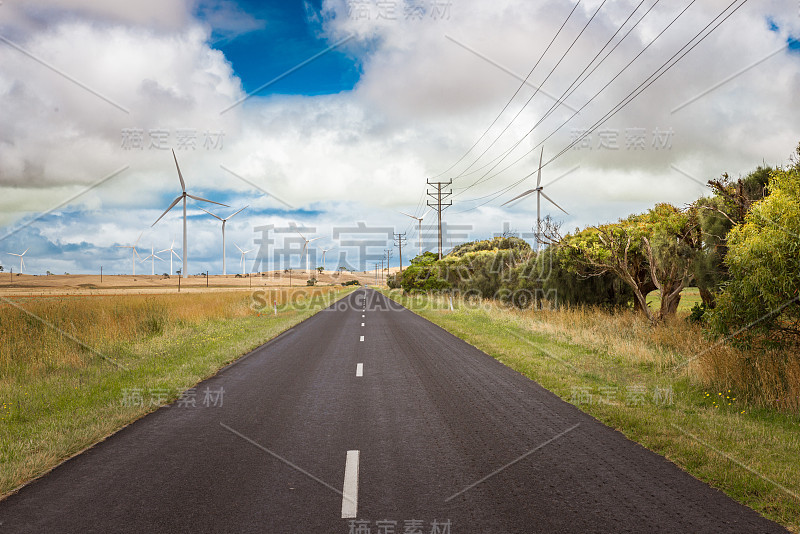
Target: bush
(760,301)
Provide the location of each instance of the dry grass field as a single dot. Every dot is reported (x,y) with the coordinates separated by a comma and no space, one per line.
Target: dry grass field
(90,284)
(68,362)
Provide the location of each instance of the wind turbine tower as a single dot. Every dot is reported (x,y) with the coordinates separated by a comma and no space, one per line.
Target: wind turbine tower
(223,233)
(539,195)
(183,195)
(419,229)
(134,254)
(21,259)
(152,257)
(305,247)
(244,253)
(172,253)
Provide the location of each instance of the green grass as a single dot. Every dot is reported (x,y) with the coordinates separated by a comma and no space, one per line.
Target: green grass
(710,434)
(689,297)
(50,415)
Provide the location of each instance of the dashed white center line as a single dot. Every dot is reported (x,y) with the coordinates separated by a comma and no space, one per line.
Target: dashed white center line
(362,324)
(359,369)
(350,490)
(362,338)
(362,315)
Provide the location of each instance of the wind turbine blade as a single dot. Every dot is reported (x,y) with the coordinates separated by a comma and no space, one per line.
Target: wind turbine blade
(176,254)
(167,210)
(180,176)
(206,200)
(426,213)
(216,217)
(26,250)
(552,202)
(407,215)
(320,237)
(528,192)
(238,212)
(137,239)
(237,246)
(539,175)
(301,235)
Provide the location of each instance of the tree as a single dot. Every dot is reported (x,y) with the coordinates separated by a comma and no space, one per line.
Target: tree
(320,269)
(760,302)
(715,217)
(653,250)
(423,275)
(565,280)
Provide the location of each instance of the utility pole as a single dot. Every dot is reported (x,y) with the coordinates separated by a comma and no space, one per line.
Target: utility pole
(101,274)
(388,257)
(401,239)
(376,274)
(438,194)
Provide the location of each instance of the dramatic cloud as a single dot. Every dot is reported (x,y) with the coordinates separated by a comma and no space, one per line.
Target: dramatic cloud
(81,81)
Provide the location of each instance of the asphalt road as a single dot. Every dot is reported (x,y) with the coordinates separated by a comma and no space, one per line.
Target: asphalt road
(370,412)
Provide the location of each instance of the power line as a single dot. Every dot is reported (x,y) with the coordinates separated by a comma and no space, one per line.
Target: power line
(566,94)
(558,63)
(660,71)
(666,66)
(639,90)
(514,95)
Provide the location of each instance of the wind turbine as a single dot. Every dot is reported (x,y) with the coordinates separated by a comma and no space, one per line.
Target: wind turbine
(172,252)
(419,230)
(539,195)
(305,247)
(184,194)
(21,260)
(324,251)
(133,251)
(223,233)
(153,259)
(244,253)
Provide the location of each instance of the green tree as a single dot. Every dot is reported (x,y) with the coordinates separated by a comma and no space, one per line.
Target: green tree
(566,280)
(653,250)
(715,216)
(423,275)
(759,304)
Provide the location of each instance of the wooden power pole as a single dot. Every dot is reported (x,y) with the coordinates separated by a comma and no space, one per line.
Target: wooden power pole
(401,239)
(438,195)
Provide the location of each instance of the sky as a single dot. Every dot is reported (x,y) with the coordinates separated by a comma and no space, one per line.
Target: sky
(328,118)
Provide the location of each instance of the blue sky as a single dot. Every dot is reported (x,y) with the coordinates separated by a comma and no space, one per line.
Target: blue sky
(289,36)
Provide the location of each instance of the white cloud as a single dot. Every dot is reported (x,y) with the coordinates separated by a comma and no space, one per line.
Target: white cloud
(421,103)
